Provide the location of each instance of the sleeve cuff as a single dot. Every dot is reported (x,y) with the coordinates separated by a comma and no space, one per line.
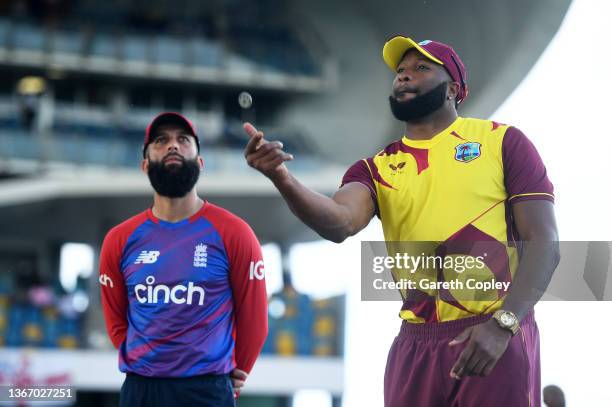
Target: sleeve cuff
(532,197)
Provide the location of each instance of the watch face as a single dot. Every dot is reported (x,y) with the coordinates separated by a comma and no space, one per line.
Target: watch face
(506,319)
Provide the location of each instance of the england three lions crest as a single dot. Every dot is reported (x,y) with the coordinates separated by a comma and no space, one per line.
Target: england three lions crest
(200,255)
(467,152)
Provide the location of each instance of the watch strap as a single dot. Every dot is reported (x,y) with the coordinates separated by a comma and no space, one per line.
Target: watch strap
(512,328)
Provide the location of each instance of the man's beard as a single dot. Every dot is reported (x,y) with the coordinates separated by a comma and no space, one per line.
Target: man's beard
(420,106)
(173,181)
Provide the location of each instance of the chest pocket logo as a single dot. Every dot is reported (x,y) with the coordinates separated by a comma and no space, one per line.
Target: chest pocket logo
(397,168)
(200,255)
(147,257)
(467,152)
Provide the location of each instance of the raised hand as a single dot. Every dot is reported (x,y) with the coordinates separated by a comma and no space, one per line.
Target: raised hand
(266,156)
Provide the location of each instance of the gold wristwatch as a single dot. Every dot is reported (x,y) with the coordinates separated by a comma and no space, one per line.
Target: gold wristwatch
(506,320)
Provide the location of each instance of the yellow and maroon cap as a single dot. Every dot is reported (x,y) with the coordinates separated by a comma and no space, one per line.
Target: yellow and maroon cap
(168,118)
(438,52)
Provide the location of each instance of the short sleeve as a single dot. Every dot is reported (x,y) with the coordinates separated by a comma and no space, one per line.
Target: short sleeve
(525,175)
(359,172)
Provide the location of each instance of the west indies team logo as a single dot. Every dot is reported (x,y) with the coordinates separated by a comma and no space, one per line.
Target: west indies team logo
(467,152)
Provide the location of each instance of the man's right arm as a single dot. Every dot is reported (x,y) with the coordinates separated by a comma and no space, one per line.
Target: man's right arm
(347,212)
(113,291)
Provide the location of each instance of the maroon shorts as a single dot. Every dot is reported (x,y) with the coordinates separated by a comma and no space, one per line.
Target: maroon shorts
(420,360)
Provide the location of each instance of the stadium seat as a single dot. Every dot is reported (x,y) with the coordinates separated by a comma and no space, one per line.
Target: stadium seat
(4,32)
(68,42)
(168,49)
(104,45)
(28,37)
(135,48)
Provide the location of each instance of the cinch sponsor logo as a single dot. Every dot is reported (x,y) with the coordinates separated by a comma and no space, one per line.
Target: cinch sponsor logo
(175,295)
(106,280)
(147,257)
(256,270)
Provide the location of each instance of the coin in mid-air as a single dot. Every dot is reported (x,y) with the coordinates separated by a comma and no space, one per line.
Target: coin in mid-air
(245,100)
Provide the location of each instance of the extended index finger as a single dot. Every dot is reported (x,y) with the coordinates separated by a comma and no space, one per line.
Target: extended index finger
(249,129)
(254,142)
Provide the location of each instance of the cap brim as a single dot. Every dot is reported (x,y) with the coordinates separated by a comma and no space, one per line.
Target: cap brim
(170,118)
(396,47)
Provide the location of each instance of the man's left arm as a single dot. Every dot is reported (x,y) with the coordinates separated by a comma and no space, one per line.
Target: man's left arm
(535,221)
(248,284)
(487,342)
(531,195)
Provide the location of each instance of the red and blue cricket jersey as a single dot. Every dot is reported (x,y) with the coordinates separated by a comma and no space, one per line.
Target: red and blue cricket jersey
(186,298)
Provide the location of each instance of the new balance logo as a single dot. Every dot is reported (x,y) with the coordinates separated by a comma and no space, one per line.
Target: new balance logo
(256,270)
(147,257)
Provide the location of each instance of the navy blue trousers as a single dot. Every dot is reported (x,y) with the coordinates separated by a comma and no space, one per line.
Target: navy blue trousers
(204,391)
